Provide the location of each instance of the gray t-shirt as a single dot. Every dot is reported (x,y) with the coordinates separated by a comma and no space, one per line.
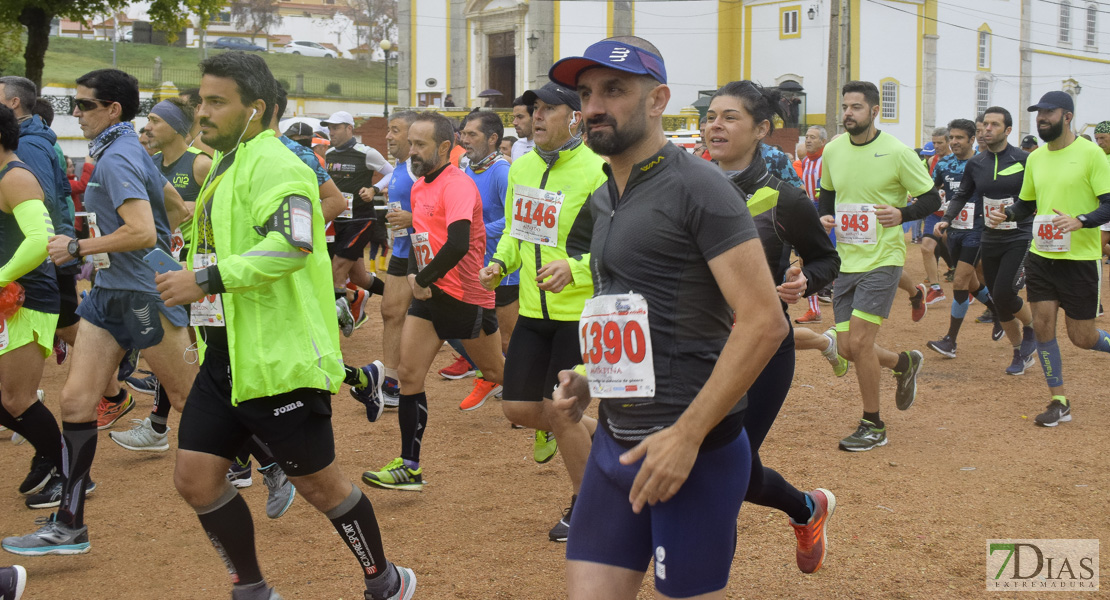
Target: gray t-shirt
(125,171)
(678,212)
(521,147)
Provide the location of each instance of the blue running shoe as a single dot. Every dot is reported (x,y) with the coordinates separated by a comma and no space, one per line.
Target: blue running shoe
(371,394)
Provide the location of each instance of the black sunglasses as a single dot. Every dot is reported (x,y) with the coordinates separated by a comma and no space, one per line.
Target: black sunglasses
(86,104)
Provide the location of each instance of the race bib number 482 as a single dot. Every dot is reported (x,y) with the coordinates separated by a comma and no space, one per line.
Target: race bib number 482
(856,224)
(1047,237)
(536,215)
(616,346)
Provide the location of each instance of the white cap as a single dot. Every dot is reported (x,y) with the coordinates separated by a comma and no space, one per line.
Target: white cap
(341,117)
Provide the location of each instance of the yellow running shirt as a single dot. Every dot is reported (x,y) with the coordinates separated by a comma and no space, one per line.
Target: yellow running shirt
(1069,180)
(882,171)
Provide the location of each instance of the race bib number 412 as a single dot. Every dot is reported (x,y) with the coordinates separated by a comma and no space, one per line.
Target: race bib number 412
(536,215)
(616,346)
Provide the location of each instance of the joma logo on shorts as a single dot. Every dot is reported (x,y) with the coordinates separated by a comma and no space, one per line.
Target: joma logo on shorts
(288,408)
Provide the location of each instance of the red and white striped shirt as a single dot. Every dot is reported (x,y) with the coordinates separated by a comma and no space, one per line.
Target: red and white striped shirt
(811,173)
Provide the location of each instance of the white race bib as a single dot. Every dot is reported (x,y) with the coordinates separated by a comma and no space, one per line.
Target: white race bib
(208,311)
(3,334)
(101,260)
(966,218)
(349,212)
(329,232)
(856,224)
(615,340)
(177,244)
(1047,237)
(998,205)
(536,215)
(422,246)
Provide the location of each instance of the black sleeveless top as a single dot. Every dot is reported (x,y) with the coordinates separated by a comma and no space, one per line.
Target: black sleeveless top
(40,284)
(180,174)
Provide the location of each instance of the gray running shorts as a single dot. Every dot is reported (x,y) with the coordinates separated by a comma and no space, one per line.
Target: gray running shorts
(871,293)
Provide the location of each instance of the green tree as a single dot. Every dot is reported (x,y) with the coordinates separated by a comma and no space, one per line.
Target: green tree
(255,16)
(166,15)
(10,45)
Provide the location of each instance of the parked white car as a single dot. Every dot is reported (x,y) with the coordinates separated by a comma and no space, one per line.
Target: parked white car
(307,48)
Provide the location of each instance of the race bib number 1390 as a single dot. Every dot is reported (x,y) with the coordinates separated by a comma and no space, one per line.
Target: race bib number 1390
(615,340)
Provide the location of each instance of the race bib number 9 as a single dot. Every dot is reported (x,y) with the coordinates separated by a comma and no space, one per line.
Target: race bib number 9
(615,340)
(856,224)
(423,249)
(536,215)
(997,205)
(966,218)
(1047,237)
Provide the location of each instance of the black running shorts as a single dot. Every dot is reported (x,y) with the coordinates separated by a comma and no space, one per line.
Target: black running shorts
(296,425)
(963,245)
(398,266)
(454,319)
(67,294)
(506,295)
(1075,284)
(538,350)
(351,238)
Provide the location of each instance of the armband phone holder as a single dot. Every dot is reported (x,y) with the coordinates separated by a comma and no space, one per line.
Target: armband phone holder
(293,220)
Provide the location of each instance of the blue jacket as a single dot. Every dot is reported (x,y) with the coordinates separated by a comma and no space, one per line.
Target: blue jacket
(36,148)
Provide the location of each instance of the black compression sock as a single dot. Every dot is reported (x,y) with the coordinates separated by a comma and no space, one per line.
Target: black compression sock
(7,420)
(874,418)
(120,397)
(340,293)
(41,429)
(354,520)
(954,325)
(261,452)
(412,415)
(230,528)
(80,448)
(378,287)
(161,410)
(903,363)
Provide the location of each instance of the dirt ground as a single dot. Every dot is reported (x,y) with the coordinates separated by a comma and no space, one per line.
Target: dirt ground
(964,464)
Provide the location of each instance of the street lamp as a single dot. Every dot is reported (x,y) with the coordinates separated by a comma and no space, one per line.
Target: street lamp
(386,46)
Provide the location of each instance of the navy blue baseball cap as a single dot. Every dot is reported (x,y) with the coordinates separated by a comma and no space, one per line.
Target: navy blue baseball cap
(612,55)
(554,94)
(1054,100)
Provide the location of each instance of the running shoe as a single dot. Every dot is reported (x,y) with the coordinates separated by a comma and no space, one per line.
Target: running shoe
(811,534)
(918,307)
(907,382)
(944,346)
(37,478)
(866,437)
(144,385)
(346,319)
(986,317)
(561,529)
(1020,363)
(1057,412)
(391,393)
(142,437)
(408,585)
(51,494)
(839,363)
(52,538)
(483,390)
(18,439)
(371,395)
(1028,342)
(950,275)
(281,491)
(358,307)
(545,446)
(396,476)
(107,412)
(128,365)
(240,476)
(809,317)
(457,370)
(13,580)
(824,298)
(61,350)
(997,332)
(935,295)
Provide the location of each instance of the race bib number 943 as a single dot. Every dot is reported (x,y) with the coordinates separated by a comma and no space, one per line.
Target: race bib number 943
(856,224)
(615,340)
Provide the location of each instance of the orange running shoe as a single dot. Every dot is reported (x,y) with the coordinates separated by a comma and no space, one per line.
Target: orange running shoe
(483,390)
(358,307)
(917,303)
(107,413)
(811,535)
(935,295)
(809,317)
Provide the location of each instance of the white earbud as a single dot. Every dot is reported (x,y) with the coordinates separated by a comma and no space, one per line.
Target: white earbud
(254,111)
(573,120)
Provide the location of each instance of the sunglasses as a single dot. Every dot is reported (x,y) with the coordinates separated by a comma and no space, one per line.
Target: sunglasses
(87,105)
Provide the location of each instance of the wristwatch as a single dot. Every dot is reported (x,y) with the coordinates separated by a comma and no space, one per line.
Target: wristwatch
(1083,220)
(74,248)
(202,279)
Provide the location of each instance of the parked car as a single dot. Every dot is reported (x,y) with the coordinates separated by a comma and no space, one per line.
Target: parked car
(127,36)
(307,48)
(234,43)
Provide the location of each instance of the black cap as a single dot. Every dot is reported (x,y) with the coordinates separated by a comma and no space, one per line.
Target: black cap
(555,94)
(299,129)
(1028,141)
(1054,100)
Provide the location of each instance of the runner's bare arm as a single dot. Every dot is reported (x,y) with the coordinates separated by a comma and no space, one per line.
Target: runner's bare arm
(331,201)
(745,281)
(176,209)
(136,233)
